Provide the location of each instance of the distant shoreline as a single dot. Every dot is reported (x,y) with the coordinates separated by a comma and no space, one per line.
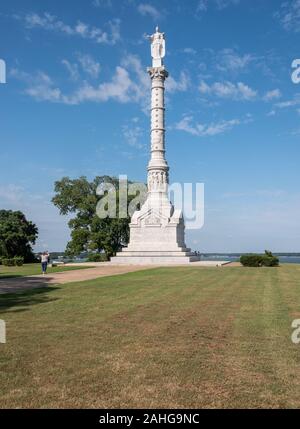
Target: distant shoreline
(247,253)
(284,258)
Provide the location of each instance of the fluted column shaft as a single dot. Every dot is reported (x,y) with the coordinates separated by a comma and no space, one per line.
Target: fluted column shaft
(158,170)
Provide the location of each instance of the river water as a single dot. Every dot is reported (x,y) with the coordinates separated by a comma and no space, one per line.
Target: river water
(225,257)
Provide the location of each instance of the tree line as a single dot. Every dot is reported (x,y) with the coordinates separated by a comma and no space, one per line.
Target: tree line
(89,233)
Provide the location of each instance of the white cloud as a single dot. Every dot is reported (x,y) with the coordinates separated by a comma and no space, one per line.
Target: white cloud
(289,15)
(141,82)
(218,4)
(114,26)
(189,51)
(179,85)
(129,83)
(119,88)
(10,193)
(72,69)
(147,9)
(272,95)
(234,91)
(102,3)
(232,63)
(86,63)
(289,103)
(133,135)
(202,5)
(203,130)
(230,60)
(89,65)
(39,86)
(52,23)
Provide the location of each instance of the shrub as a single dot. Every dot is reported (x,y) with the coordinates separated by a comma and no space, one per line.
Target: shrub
(252,260)
(8,262)
(97,257)
(255,260)
(270,261)
(268,253)
(19,261)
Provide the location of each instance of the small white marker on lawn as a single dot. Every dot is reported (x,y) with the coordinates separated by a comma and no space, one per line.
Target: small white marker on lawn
(296,333)
(2,331)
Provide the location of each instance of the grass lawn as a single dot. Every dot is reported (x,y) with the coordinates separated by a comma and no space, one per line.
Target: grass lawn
(32,269)
(167,337)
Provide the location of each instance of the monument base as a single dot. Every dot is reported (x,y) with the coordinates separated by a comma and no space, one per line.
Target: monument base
(157,258)
(156,237)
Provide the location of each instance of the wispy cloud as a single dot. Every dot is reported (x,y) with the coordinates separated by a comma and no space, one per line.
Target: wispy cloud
(188,125)
(295,101)
(234,91)
(85,64)
(38,86)
(289,15)
(102,3)
(10,193)
(42,88)
(147,9)
(180,85)
(129,83)
(120,88)
(203,5)
(50,22)
(133,134)
(72,69)
(189,51)
(89,65)
(272,95)
(230,60)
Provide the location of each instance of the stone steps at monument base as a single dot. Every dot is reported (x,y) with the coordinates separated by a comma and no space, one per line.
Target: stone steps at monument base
(144,260)
(155,251)
(145,253)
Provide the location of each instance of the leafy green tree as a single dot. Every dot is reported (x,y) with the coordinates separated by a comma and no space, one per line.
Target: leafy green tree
(17,235)
(88,231)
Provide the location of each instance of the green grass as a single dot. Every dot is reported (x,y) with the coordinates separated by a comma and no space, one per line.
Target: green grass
(32,269)
(167,337)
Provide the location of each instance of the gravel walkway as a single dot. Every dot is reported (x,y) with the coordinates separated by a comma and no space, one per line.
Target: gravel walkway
(99,270)
(29,282)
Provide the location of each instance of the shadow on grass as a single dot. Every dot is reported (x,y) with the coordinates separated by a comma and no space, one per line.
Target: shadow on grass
(4,276)
(24,293)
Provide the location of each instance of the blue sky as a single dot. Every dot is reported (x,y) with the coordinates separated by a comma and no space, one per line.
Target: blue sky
(75,103)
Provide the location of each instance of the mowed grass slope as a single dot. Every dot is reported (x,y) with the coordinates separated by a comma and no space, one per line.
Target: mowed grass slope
(167,337)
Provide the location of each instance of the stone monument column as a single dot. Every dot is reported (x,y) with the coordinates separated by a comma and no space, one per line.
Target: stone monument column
(157,230)
(158,170)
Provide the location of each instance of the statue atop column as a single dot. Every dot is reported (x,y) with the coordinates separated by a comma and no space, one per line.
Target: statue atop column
(158,48)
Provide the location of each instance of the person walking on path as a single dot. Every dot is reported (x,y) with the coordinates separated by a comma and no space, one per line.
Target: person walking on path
(44,261)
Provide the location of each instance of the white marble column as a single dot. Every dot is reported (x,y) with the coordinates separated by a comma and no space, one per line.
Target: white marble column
(157,229)
(158,170)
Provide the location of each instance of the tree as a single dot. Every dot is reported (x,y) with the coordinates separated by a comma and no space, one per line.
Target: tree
(17,235)
(88,231)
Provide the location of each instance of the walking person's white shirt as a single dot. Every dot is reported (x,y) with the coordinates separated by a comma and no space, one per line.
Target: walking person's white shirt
(44,261)
(44,258)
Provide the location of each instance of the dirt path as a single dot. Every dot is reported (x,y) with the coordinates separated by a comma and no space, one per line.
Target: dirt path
(30,282)
(100,270)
